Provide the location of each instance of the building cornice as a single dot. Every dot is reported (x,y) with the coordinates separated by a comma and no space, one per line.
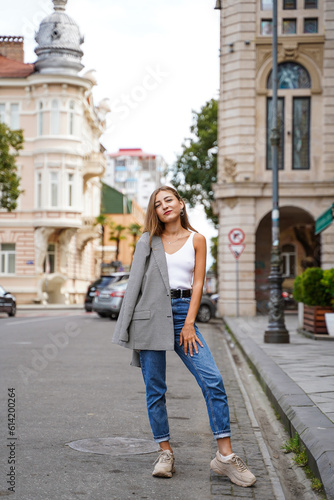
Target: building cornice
(60,151)
(291,39)
(41,79)
(264,189)
(17,224)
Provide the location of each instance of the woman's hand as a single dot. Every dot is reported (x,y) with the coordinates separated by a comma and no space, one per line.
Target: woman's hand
(189,338)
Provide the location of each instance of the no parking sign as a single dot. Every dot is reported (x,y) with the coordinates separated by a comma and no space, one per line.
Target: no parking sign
(236,236)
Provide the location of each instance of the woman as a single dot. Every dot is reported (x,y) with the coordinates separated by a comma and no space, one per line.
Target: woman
(158,314)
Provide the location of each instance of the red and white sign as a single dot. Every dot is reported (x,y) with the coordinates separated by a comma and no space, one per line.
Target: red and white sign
(236,236)
(237,250)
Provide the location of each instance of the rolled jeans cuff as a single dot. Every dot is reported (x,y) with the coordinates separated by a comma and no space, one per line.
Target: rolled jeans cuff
(221,435)
(162,439)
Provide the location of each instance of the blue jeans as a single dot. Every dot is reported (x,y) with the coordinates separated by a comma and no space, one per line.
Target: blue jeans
(201,365)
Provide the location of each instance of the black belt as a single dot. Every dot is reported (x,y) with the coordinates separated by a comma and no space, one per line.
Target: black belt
(177,293)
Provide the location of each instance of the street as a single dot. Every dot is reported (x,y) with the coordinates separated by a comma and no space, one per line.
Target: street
(63,381)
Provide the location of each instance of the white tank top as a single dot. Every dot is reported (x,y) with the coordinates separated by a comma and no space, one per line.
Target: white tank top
(181,265)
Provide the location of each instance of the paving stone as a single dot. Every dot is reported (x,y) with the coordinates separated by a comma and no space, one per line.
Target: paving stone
(243,438)
(298,378)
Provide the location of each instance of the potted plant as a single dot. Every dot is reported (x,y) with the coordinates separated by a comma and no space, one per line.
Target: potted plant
(315,295)
(328,282)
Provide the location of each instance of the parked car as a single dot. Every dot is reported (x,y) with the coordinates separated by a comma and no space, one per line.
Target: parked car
(101,283)
(207,309)
(7,302)
(108,300)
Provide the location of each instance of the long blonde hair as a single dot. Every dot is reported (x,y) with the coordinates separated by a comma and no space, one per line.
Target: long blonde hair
(152,222)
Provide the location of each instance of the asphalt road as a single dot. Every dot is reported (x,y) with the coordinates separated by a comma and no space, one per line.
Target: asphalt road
(63,380)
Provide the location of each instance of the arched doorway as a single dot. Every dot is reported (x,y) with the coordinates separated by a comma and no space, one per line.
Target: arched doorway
(299,245)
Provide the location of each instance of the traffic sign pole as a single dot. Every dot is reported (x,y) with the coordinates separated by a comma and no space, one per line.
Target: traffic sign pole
(236,237)
(237,285)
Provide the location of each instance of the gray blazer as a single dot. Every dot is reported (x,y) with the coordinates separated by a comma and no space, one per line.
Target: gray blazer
(145,320)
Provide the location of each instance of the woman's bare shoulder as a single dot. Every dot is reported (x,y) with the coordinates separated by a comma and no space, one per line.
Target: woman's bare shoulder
(199,239)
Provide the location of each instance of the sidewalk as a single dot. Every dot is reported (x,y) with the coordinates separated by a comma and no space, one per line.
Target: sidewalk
(298,378)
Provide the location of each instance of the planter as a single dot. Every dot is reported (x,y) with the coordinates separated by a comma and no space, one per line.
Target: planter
(329,317)
(300,314)
(314,319)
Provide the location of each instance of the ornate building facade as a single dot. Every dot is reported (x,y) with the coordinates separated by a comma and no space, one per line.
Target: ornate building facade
(306,157)
(47,244)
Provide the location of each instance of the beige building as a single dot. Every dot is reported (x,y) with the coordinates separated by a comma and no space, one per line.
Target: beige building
(306,158)
(48,244)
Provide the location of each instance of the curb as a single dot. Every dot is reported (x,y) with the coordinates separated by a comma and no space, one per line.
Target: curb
(47,307)
(296,409)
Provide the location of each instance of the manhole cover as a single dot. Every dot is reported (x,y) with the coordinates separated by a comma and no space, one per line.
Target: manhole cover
(115,446)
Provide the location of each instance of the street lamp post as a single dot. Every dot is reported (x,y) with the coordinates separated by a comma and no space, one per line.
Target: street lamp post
(276,332)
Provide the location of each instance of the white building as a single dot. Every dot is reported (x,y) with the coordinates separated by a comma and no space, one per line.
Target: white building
(47,245)
(135,173)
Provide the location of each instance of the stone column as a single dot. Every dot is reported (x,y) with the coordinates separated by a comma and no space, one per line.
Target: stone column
(64,241)
(42,235)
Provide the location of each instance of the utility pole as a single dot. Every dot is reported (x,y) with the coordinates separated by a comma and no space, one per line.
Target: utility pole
(276,332)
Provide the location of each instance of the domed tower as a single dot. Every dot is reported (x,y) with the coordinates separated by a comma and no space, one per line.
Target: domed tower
(59,41)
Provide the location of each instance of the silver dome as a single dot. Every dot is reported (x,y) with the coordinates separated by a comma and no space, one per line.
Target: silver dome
(59,41)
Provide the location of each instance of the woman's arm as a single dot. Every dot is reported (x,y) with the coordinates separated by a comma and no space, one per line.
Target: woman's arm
(188,335)
(142,252)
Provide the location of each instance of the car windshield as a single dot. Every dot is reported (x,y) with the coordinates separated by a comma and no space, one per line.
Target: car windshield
(103,281)
(120,285)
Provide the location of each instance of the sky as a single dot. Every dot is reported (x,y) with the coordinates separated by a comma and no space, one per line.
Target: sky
(155,60)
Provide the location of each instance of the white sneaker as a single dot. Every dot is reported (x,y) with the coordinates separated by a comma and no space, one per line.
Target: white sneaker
(164,464)
(234,468)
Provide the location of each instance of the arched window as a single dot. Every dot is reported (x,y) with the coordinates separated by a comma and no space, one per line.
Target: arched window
(291,75)
(40,119)
(294,113)
(289,261)
(72,118)
(55,117)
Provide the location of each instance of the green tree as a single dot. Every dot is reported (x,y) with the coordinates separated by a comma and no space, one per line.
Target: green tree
(116,231)
(195,169)
(135,230)
(11,141)
(214,254)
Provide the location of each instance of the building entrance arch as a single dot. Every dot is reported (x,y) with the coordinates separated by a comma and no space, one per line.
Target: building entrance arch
(299,245)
